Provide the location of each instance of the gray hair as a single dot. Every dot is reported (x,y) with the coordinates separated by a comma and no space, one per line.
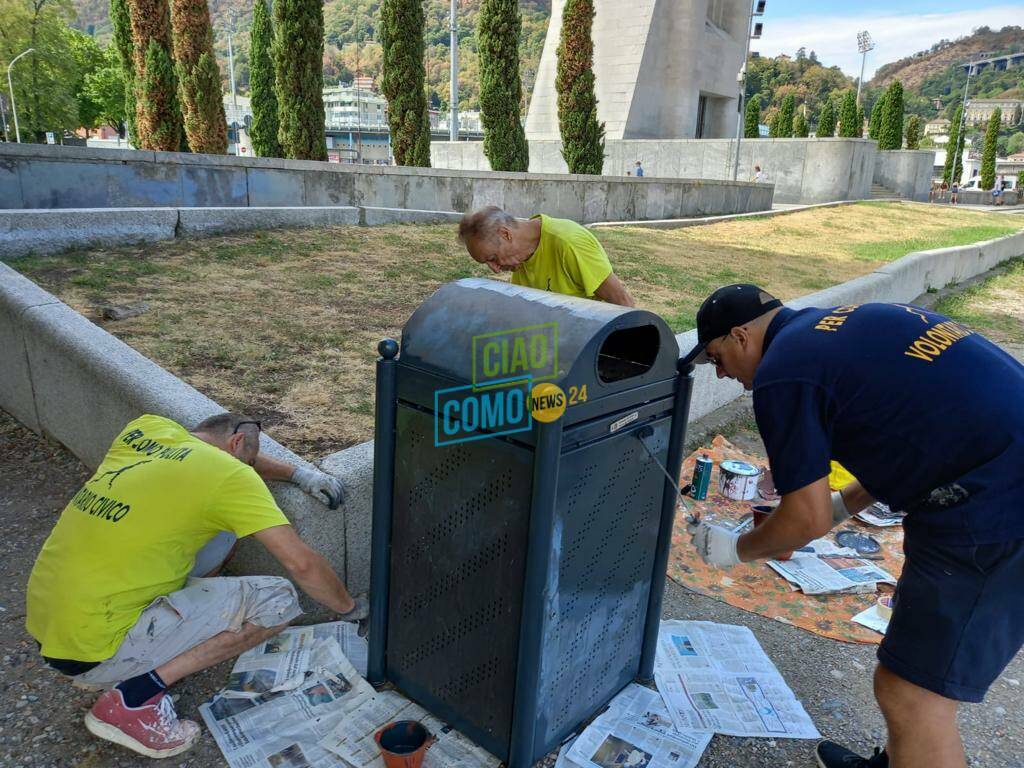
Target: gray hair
(484,223)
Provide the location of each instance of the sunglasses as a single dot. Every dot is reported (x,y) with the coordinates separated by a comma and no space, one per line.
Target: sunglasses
(259,426)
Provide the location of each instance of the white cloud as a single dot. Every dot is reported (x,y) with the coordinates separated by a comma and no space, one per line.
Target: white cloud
(834,38)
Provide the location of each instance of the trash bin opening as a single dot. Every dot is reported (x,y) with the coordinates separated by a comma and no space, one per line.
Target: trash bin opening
(628,352)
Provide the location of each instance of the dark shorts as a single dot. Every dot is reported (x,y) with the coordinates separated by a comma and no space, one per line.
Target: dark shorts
(958,617)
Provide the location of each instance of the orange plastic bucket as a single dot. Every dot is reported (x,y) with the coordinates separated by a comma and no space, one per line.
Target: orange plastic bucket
(403,744)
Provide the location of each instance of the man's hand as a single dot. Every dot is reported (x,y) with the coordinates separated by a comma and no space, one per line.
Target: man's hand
(715,545)
(319,485)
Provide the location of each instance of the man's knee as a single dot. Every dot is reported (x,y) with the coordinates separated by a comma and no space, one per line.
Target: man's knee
(900,699)
(270,601)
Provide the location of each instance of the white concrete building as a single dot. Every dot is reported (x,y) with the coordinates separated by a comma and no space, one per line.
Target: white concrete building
(664,69)
(979,111)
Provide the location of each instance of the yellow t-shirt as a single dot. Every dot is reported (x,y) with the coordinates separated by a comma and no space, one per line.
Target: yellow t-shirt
(132,532)
(568,260)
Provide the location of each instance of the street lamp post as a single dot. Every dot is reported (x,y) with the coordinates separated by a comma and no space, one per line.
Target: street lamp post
(753,33)
(963,115)
(864,44)
(453,47)
(10,87)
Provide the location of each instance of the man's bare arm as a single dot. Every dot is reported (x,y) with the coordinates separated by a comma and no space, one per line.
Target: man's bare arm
(270,468)
(613,291)
(803,515)
(307,567)
(856,498)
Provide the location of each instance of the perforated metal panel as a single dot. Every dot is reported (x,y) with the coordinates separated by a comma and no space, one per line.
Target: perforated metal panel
(608,515)
(461,516)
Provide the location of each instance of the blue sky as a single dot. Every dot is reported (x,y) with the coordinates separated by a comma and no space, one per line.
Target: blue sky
(899,27)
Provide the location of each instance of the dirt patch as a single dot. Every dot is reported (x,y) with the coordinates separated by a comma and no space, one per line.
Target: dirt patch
(285,324)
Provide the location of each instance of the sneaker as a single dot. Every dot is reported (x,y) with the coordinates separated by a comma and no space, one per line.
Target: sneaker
(832,755)
(153,729)
(358,613)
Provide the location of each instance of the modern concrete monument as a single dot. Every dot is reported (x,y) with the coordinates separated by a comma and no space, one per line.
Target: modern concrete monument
(664,69)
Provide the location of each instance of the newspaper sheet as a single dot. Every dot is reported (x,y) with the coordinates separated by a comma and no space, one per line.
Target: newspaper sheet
(352,738)
(282,730)
(815,574)
(637,731)
(282,662)
(881,515)
(563,761)
(872,619)
(716,677)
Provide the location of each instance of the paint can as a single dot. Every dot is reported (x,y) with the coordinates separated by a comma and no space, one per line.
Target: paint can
(403,744)
(702,477)
(737,480)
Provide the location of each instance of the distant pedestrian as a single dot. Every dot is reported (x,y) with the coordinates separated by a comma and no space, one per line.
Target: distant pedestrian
(758,176)
(997,191)
(639,169)
(629,172)
(943,187)
(953,192)
(933,192)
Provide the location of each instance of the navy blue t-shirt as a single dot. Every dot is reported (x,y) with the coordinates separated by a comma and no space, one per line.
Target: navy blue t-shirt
(926,414)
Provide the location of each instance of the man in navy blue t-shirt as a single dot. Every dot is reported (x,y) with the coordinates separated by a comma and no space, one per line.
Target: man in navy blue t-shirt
(929,417)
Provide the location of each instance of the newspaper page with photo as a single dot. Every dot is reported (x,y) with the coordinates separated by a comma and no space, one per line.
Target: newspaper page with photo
(816,574)
(352,738)
(881,515)
(716,677)
(637,731)
(283,730)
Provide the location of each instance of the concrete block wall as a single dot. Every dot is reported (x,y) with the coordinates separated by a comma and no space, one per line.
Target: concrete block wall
(802,170)
(906,171)
(71,380)
(34,176)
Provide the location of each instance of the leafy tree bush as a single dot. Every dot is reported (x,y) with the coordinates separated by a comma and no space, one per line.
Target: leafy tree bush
(402,81)
(827,120)
(955,147)
(202,105)
(848,116)
(800,127)
(988,152)
(582,134)
(876,119)
(913,132)
(891,136)
(498,32)
(158,123)
(263,93)
(751,117)
(121,21)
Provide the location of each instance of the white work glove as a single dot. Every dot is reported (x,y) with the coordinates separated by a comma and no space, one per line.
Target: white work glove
(329,490)
(715,545)
(839,510)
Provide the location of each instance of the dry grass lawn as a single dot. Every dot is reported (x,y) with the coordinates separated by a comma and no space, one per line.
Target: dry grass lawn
(995,307)
(284,325)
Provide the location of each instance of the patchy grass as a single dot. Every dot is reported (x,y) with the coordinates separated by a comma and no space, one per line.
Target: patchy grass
(284,324)
(995,307)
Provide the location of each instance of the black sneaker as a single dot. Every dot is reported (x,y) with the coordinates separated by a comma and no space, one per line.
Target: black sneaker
(832,755)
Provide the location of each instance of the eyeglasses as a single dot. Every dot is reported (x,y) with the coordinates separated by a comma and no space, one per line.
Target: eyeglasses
(259,426)
(715,360)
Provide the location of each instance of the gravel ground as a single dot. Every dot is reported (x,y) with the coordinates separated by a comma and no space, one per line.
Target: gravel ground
(40,713)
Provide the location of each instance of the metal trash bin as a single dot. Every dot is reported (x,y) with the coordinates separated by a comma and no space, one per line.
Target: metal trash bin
(517,569)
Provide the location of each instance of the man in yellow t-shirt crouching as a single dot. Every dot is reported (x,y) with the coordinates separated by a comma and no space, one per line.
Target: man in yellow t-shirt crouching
(117,595)
(551,254)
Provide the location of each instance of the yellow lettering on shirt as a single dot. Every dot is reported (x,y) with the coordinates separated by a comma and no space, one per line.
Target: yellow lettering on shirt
(830,323)
(933,342)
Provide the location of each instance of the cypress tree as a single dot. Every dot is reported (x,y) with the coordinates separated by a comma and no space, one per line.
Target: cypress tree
(122,23)
(498,29)
(198,77)
(403,81)
(751,117)
(800,127)
(157,113)
(582,134)
(913,132)
(875,122)
(827,120)
(988,152)
(785,124)
(860,122)
(261,84)
(298,54)
(848,116)
(891,136)
(954,147)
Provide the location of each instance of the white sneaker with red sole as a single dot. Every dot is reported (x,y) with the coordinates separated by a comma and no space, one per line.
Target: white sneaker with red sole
(152,729)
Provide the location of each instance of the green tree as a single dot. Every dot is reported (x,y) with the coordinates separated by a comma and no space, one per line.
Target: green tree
(954,147)
(1015,143)
(891,136)
(158,122)
(202,105)
(785,124)
(860,122)
(498,28)
(261,84)
(120,19)
(582,134)
(988,152)
(848,116)
(402,80)
(827,120)
(88,56)
(913,132)
(751,118)
(105,87)
(876,119)
(800,127)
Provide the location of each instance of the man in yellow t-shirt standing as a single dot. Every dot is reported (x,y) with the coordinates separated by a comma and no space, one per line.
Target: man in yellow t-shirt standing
(543,252)
(117,595)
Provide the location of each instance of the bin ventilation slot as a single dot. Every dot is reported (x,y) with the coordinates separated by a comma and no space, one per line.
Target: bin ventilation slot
(627,353)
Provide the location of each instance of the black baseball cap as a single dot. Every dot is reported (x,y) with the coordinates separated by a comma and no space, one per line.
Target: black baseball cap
(725,309)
